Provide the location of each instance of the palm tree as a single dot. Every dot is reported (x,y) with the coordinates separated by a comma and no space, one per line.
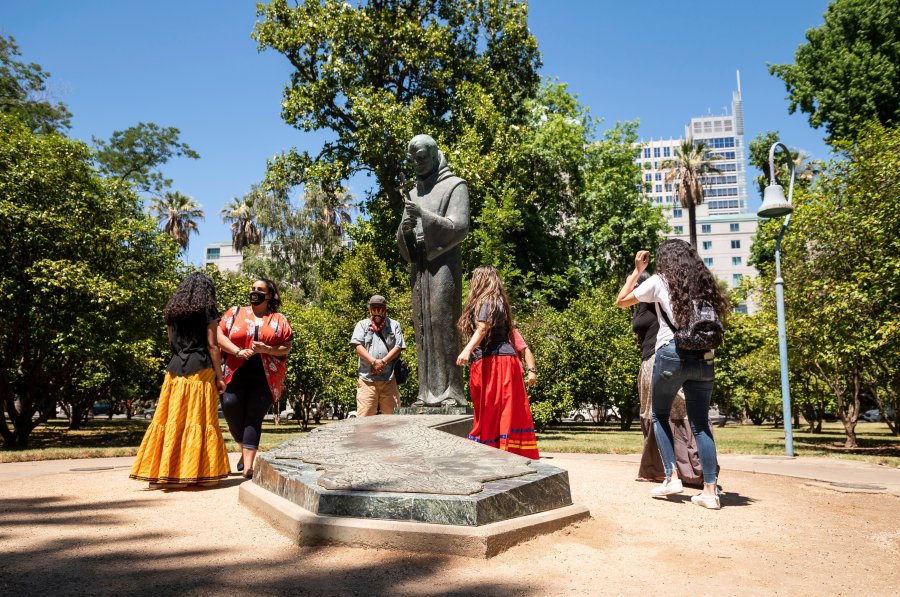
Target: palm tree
(178,215)
(692,161)
(241,214)
(332,207)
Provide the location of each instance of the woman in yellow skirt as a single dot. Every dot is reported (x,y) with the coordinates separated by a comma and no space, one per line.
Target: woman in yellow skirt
(183,444)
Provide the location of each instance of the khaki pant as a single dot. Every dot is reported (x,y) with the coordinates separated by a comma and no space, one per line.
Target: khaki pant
(372,396)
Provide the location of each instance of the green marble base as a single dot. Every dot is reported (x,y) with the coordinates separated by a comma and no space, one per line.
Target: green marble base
(545,489)
(408,469)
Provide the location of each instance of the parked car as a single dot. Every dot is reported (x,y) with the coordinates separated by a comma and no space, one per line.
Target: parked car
(874,415)
(148,413)
(718,418)
(351,414)
(579,415)
(100,408)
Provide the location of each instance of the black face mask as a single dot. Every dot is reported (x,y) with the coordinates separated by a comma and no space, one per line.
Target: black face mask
(257,297)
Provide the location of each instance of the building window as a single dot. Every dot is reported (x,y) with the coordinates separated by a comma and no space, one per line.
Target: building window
(646,152)
(667,152)
(679,229)
(734,227)
(735,244)
(705,228)
(659,188)
(676,213)
(648,177)
(658,176)
(707,245)
(707,261)
(656,152)
(736,279)
(213,253)
(668,198)
(735,261)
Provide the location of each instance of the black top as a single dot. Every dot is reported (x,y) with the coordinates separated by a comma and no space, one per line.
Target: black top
(646,326)
(189,343)
(498,343)
(252,373)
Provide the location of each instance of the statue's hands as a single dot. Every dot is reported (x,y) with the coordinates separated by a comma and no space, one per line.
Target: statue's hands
(413,210)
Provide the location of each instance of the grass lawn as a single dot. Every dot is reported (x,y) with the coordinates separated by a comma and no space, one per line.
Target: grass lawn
(876,444)
(120,437)
(101,438)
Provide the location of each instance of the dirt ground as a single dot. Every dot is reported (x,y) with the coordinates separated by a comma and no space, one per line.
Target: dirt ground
(89,532)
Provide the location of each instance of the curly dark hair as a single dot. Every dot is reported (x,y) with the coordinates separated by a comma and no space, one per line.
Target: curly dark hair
(275,301)
(196,294)
(679,264)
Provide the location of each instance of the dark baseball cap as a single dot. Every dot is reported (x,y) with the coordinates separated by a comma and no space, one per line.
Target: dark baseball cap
(377,299)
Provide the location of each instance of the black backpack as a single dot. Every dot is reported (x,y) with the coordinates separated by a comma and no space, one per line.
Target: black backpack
(704,330)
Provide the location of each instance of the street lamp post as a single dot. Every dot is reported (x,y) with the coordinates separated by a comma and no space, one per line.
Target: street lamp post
(775,205)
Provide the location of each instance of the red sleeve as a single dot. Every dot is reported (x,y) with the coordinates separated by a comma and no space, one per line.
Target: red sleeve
(519,342)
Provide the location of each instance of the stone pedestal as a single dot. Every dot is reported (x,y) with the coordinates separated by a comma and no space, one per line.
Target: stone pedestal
(347,480)
(434,410)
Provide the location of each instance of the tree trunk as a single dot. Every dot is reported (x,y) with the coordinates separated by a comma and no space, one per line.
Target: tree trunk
(692,223)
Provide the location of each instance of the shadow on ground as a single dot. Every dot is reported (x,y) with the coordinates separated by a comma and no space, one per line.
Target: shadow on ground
(147,563)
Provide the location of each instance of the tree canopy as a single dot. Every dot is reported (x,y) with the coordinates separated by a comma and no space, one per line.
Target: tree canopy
(848,70)
(24,93)
(83,280)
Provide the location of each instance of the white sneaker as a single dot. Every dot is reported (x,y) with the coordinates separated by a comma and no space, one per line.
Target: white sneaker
(707,501)
(668,487)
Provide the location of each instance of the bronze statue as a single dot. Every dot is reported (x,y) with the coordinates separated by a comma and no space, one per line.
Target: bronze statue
(433,226)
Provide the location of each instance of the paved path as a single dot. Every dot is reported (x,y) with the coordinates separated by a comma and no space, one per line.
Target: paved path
(850,476)
(80,527)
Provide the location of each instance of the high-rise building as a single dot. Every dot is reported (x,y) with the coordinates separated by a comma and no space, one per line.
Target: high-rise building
(724,228)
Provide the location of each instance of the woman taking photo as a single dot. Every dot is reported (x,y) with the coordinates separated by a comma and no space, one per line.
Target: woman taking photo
(183,443)
(681,282)
(502,413)
(256,341)
(646,325)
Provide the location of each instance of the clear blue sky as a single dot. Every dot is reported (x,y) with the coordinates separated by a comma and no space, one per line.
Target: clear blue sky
(191,64)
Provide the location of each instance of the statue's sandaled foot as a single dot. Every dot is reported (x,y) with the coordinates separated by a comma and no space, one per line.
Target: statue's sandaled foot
(451,402)
(419,402)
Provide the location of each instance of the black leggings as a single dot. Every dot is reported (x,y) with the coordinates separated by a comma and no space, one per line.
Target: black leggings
(245,402)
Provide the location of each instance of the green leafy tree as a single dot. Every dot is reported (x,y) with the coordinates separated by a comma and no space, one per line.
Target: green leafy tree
(841,275)
(613,220)
(691,163)
(24,93)
(177,214)
(136,154)
(848,68)
(300,240)
(83,281)
(762,251)
(570,345)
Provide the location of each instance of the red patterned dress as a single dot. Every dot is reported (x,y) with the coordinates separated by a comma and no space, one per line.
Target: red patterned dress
(502,412)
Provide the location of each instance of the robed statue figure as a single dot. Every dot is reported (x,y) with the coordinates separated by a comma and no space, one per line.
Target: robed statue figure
(435,222)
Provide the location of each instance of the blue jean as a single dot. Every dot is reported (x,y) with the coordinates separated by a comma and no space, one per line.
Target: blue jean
(688,370)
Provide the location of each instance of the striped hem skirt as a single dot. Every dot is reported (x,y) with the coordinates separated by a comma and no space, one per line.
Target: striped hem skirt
(184,443)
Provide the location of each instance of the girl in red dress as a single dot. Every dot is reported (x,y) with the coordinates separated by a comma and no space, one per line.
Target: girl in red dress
(502,413)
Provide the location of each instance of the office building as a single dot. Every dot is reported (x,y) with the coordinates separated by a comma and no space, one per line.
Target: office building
(725,230)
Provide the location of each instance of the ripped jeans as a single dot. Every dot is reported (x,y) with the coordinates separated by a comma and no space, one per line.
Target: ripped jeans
(672,371)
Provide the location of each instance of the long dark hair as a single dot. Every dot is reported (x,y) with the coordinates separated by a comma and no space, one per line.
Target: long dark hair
(486,288)
(275,301)
(195,295)
(679,264)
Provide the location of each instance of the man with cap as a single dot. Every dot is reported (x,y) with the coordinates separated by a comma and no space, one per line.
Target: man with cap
(378,341)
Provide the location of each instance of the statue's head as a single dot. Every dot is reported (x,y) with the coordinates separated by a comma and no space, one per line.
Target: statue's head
(423,153)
